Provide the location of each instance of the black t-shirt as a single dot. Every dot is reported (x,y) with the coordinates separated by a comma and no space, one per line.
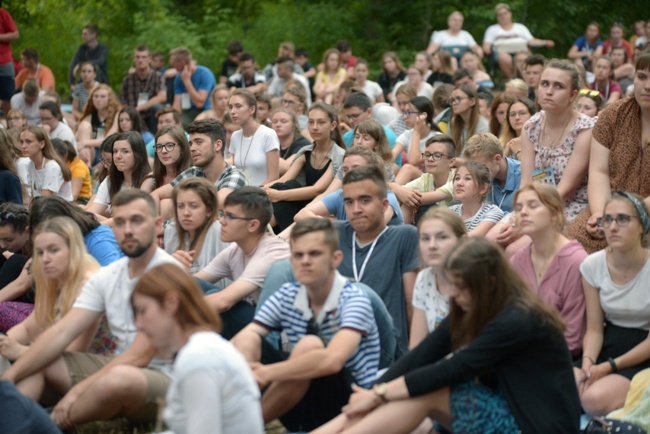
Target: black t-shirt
(294,147)
(228,68)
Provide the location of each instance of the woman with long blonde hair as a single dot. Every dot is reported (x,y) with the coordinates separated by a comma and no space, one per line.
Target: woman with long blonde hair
(99,120)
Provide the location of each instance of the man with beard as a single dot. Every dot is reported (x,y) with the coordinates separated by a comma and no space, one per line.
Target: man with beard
(207,140)
(99,387)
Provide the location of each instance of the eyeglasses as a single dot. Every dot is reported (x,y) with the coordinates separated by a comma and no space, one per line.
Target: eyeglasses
(520,114)
(105,163)
(587,92)
(288,102)
(226,216)
(435,156)
(408,113)
(167,147)
(7,217)
(621,220)
(457,100)
(353,117)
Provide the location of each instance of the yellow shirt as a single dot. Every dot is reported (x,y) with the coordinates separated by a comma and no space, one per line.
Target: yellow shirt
(79,169)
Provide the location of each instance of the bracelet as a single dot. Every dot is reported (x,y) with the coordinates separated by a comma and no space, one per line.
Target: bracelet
(613,363)
(590,359)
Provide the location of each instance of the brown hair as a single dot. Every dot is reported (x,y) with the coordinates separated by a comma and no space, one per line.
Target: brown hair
(313,224)
(507,132)
(193,311)
(113,105)
(375,130)
(480,174)
(184,160)
(502,98)
(448,217)
(207,192)
(457,124)
(9,151)
(48,150)
(294,121)
(549,197)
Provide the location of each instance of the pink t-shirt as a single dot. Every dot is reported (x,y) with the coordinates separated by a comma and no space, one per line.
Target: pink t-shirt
(232,263)
(561,287)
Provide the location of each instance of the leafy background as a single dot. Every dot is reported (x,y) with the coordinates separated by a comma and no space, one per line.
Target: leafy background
(53,27)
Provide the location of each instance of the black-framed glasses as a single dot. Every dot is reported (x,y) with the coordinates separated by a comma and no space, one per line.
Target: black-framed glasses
(226,216)
(621,220)
(288,102)
(435,156)
(408,113)
(353,117)
(169,146)
(457,100)
(106,163)
(7,217)
(521,114)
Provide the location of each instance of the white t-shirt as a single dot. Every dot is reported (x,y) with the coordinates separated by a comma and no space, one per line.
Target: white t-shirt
(31,111)
(426,90)
(50,178)
(445,39)
(212,389)
(428,299)
(373,90)
(233,263)
(624,305)
(250,152)
(109,292)
(406,137)
(22,167)
(64,132)
(496,32)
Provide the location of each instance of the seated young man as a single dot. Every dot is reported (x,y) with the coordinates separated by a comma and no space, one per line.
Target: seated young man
(244,219)
(383,257)
(332,204)
(436,183)
(332,333)
(99,387)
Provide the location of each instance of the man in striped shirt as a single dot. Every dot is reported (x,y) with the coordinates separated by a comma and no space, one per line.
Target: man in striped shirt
(332,335)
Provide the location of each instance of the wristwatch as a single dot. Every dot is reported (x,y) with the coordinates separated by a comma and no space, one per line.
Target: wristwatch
(380,391)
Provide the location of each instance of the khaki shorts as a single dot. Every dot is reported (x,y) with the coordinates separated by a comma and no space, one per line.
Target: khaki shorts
(83,365)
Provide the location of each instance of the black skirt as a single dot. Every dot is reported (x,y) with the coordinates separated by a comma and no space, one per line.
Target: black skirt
(618,341)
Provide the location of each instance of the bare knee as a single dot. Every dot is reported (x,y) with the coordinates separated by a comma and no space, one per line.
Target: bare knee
(307,344)
(598,401)
(122,382)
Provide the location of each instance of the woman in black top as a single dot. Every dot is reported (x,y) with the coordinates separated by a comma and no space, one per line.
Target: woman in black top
(392,72)
(498,363)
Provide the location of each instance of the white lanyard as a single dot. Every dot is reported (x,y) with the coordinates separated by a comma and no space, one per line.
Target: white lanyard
(502,198)
(358,275)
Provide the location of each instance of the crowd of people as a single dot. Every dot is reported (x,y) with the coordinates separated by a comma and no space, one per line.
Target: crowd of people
(430,252)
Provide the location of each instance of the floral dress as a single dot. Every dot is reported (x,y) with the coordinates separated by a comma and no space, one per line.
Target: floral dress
(558,158)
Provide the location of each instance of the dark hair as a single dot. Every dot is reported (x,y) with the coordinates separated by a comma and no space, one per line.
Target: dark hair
(343,46)
(480,173)
(358,99)
(46,207)
(507,132)
(502,98)
(136,119)
(447,140)
(255,203)
(106,147)
(141,168)
(129,195)
(282,60)
(300,51)
(211,128)
(15,215)
(536,59)
(53,108)
(493,286)
(462,73)
(177,115)
(207,192)
(369,173)
(248,96)
(332,114)
(313,224)
(425,105)
(234,47)
(184,159)
(9,151)
(93,28)
(30,53)
(244,57)
(65,149)
(142,48)
(457,124)
(442,95)
(158,55)
(643,62)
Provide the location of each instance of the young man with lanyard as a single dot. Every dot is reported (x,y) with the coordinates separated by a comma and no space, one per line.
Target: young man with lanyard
(207,140)
(333,339)
(98,387)
(383,257)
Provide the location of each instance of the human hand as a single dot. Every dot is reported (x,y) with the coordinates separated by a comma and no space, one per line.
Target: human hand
(7,254)
(407,196)
(508,233)
(596,372)
(274,195)
(420,122)
(10,349)
(550,43)
(593,229)
(362,401)
(185,258)
(259,373)
(581,377)
(61,413)
(186,75)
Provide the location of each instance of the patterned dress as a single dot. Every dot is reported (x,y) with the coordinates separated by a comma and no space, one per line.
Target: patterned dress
(558,158)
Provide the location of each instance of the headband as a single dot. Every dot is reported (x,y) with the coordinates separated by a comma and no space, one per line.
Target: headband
(640,209)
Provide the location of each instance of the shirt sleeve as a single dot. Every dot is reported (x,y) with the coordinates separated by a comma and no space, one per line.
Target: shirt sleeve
(269,314)
(419,290)
(91,295)
(219,267)
(259,264)
(332,202)
(405,139)
(271,141)
(102,193)
(357,315)
(200,394)
(494,214)
(52,177)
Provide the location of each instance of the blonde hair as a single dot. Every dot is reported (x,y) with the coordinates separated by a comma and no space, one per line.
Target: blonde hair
(55,298)
(484,145)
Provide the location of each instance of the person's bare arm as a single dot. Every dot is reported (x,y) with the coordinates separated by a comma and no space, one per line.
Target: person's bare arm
(177,103)
(8,37)
(599,188)
(19,285)
(408,282)
(419,328)
(272,166)
(577,167)
(314,209)
(235,292)
(76,184)
(527,159)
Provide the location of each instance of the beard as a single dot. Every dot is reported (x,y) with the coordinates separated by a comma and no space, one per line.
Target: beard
(136,250)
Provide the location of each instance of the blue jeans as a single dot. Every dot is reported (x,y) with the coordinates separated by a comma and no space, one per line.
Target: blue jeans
(234,319)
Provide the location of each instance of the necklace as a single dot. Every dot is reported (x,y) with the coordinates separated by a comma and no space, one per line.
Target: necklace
(555,142)
(250,145)
(313,156)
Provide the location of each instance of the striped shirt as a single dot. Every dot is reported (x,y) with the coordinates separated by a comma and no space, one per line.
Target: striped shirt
(487,213)
(346,307)
(231,177)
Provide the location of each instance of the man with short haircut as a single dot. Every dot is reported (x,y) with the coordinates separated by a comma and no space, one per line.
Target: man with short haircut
(463,76)
(333,339)
(383,257)
(33,69)
(506,172)
(144,89)
(29,100)
(93,51)
(231,64)
(100,387)
(247,77)
(358,108)
(348,61)
(164,117)
(192,85)
(207,139)
(285,73)
(533,72)
(244,217)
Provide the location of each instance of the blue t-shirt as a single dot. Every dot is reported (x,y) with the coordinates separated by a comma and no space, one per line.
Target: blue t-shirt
(20,414)
(348,138)
(583,45)
(10,188)
(101,244)
(335,206)
(503,196)
(202,79)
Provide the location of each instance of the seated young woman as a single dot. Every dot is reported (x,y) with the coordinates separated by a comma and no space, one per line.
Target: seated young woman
(439,230)
(466,119)
(129,119)
(99,120)
(61,266)
(519,111)
(550,265)
(312,169)
(285,124)
(590,102)
(479,370)
(193,237)
(219,99)
(616,345)
(604,83)
(172,155)
(471,185)
(80,181)
(212,387)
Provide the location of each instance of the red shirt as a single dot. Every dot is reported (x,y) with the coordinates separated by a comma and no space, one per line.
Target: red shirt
(7,25)
(607,48)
